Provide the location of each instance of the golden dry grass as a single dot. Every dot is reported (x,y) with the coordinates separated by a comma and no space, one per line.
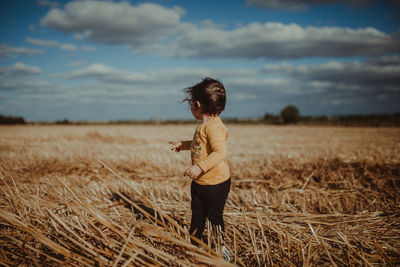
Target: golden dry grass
(115,196)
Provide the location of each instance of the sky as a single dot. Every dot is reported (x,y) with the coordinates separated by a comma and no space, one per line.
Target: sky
(131,60)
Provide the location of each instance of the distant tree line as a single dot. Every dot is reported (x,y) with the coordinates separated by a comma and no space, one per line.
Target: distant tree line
(288,115)
(64,121)
(11,120)
(291,115)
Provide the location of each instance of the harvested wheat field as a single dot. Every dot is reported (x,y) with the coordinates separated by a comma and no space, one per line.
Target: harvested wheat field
(116,196)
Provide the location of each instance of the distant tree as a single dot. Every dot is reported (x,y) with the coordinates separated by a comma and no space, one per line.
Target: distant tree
(269,117)
(11,120)
(290,114)
(64,121)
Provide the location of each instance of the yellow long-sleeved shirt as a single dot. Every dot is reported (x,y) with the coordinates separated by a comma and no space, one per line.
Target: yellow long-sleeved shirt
(208,151)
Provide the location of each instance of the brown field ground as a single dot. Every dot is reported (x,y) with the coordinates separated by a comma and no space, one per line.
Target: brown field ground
(116,196)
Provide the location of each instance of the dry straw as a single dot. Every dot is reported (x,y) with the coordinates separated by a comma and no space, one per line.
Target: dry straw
(115,196)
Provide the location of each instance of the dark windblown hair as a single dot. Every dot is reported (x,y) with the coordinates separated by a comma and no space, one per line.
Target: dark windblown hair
(211,95)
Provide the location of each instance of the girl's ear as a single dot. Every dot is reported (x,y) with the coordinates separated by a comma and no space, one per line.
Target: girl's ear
(197,104)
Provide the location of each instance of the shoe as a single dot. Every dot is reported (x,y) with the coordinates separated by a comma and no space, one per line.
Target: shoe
(226,254)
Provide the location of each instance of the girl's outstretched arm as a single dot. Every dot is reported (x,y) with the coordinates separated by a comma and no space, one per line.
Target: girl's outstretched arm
(181,145)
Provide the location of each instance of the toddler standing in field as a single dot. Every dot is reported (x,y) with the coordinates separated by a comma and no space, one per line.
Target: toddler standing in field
(210,170)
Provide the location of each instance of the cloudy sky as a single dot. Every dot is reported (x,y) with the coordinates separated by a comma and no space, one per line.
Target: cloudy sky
(107,60)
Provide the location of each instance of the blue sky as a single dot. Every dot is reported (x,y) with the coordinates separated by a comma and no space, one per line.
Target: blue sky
(109,60)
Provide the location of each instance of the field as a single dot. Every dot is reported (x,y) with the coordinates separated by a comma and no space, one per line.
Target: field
(115,196)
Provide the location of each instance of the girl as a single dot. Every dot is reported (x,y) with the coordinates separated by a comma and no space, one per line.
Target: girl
(210,171)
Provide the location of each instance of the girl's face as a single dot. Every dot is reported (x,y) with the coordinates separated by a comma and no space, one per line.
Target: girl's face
(196,110)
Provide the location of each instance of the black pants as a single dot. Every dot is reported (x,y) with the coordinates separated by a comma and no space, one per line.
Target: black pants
(208,201)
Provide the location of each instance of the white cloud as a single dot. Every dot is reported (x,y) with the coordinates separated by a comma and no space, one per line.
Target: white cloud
(81,35)
(251,81)
(177,76)
(152,28)
(384,71)
(88,48)
(115,23)
(277,40)
(49,43)
(19,77)
(68,47)
(292,79)
(301,4)
(53,43)
(329,87)
(110,75)
(279,67)
(26,85)
(211,25)
(242,84)
(344,86)
(242,97)
(385,60)
(76,63)
(314,88)
(9,51)
(94,70)
(96,89)
(19,69)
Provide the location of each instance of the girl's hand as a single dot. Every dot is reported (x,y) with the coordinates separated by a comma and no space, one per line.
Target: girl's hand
(175,146)
(193,172)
